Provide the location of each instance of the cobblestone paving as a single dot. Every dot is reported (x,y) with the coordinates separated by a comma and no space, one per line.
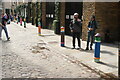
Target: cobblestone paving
(27,56)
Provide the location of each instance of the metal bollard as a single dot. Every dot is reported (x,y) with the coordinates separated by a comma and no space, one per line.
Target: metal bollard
(39,28)
(21,21)
(17,20)
(14,19)
(24,23)
(62,36)
(97,47)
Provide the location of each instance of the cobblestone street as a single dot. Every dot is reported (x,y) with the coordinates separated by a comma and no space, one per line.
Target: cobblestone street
(28,55)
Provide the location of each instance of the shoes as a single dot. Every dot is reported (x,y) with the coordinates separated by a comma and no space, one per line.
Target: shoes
(91,48)
(79,48)
(87,49)
(8,39)
(73,48)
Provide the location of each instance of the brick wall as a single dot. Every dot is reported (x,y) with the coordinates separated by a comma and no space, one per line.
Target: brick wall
(62,14)
(88,11)
(43,14)
(107,17)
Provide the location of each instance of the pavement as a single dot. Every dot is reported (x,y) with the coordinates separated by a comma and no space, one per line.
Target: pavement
(30,55)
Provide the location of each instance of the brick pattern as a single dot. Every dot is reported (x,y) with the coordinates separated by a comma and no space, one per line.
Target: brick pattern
(88,11)
(43,14)
(107,17)
(62,14)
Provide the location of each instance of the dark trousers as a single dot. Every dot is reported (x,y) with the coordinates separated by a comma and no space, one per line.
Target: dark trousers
(76,35)
(90,38)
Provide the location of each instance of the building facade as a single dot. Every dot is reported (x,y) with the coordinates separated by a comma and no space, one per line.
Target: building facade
(107,16)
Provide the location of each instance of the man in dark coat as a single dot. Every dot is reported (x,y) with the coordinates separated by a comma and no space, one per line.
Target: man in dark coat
(76,29)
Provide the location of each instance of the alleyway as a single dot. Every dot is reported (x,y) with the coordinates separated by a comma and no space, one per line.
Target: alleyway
(29,55)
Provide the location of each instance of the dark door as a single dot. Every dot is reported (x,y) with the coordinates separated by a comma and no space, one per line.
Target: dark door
(71,8)
(50,8)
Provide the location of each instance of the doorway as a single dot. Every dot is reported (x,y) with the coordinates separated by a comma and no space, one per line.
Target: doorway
(71,8)
(50,13)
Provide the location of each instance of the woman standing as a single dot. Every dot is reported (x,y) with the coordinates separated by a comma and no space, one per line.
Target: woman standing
(92,26)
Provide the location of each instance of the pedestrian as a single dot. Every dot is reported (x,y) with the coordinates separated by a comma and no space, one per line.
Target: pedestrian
(3,25)
(18,18)
(92,26)
(8,19)
(76,30)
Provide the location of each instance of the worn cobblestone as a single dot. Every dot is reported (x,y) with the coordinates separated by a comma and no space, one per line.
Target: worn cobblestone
(19,60)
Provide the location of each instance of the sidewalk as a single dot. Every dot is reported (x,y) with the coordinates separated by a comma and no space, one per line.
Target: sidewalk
(109,52)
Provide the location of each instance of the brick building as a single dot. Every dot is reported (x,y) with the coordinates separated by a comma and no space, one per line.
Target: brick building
(107,16)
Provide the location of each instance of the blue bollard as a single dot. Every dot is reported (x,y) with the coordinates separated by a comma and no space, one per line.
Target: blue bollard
(97,47)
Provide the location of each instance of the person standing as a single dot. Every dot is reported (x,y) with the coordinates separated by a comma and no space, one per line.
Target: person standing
(92,26)
(18,18)
(4,20)
(76,29)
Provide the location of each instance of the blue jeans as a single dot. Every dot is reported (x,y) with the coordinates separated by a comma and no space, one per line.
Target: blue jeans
(91,35)
(6,32)
(0,31)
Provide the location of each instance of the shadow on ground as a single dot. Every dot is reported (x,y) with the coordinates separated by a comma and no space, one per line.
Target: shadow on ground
(109,65)
(47,35)
(107,52)
(110,45)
